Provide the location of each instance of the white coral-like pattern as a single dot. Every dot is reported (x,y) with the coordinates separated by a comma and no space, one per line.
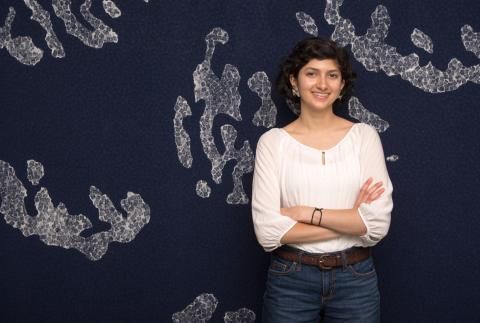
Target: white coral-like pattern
(358,111)
(422,40)
(267,114)
(372,51)
(199,311)
(23,49)
(202,308)
(307,23)
(221,96)
(56,227)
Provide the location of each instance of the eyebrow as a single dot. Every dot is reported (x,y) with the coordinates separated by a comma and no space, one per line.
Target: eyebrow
(328,71)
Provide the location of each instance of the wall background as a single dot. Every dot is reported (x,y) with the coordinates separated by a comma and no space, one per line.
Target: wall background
(104,117)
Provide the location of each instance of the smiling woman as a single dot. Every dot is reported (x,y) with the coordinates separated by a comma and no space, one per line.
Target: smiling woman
(318,84)
(308,52)
(321,197)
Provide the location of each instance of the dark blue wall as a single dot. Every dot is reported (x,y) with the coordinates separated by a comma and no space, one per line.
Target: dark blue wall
(104,117)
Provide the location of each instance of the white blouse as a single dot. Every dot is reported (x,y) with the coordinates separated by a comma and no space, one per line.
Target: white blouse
(289,173)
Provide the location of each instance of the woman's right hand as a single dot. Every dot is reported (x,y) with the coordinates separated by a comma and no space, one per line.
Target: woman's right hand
(369,193)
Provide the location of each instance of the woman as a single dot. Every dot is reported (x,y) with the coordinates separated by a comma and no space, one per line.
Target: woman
(321,197)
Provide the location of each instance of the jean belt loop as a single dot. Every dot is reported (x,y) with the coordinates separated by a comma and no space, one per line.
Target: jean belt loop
(299,260)
(344,259)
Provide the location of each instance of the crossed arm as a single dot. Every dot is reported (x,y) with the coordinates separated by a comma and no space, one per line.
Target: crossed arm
(275,226)
(329,224)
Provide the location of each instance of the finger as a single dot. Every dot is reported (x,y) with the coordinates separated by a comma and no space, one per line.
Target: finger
(375,195)
(378,184)
(375,187)
(364,192)
(367,183)
(374,192)
(364,188)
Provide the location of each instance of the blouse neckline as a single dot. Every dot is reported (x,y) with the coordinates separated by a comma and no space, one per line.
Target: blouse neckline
(347,134)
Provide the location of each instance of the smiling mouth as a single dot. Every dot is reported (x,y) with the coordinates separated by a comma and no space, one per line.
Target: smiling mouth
(321,95)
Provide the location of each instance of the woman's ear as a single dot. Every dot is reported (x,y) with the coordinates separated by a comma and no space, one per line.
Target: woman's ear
(341,89)
(293,81)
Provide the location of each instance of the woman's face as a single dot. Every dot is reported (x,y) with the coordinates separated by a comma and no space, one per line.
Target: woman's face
(319,84)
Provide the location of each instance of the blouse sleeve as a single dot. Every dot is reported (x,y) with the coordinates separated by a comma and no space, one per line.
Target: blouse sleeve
(269,224)
(375,215)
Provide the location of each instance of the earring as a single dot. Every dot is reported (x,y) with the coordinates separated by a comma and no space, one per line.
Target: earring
(340,97)
(295,92)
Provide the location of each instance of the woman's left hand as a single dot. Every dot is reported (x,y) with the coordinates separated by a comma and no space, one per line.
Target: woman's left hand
(298,213)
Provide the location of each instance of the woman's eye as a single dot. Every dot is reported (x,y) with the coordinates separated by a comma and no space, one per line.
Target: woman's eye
(310,73)
(334,76)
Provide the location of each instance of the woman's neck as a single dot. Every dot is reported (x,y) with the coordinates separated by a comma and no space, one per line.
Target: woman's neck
(314,122)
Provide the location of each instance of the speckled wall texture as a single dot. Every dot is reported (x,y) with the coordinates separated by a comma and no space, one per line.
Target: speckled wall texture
(128,134)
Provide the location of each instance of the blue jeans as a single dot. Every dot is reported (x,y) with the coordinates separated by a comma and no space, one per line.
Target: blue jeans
(303,293)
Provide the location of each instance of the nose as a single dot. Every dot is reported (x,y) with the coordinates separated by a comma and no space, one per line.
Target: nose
(321,82)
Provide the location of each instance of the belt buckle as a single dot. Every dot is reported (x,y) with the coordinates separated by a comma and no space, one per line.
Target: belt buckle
(321,260)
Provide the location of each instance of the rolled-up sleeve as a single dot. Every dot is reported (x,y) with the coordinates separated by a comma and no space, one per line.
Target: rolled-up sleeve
(269,224)
(377,214)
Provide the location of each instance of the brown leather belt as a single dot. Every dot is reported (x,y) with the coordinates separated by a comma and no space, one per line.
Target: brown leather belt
(324,260)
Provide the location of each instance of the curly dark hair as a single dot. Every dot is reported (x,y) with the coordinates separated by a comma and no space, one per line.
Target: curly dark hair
(306,50)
